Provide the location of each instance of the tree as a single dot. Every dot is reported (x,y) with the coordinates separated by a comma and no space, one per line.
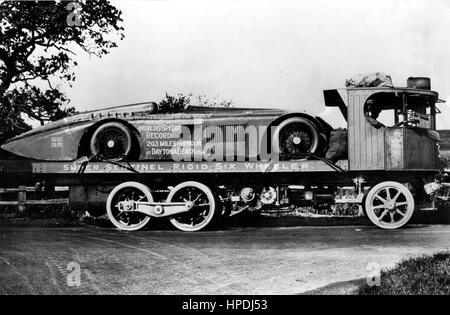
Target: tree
(176,104)
(38,45)
(203,100)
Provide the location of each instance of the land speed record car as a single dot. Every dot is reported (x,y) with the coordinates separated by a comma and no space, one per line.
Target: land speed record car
(139,132)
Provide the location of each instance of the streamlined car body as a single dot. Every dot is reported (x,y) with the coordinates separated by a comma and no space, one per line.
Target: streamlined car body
(139,132)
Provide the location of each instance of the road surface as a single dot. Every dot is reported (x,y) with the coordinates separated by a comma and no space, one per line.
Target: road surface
(253,260)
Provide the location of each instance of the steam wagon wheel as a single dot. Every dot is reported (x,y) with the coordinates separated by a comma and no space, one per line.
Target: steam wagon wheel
(389,205)
(121,202)
(295,137)
(111,141)
(202,203)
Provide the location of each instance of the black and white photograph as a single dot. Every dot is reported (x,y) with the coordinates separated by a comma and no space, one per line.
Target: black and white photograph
(225,153)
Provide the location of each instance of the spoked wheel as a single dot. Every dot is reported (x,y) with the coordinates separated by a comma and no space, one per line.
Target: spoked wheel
(111,141)
(201,202)
(120,204)
(389,205)
(295,138)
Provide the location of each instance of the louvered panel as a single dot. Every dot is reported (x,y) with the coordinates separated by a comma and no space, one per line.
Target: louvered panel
(366,143)
(351,132)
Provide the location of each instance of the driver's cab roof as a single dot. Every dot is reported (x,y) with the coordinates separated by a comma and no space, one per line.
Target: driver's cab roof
(339,97)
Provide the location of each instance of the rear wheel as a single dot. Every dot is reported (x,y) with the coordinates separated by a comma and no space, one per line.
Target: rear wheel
(296,138)
(120,204)
(202,202)
(111,141)
(389,205)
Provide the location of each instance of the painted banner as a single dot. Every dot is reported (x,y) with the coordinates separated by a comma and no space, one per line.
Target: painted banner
(185,167)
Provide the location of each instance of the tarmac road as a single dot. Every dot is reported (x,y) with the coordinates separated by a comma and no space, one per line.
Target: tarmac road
(235,261)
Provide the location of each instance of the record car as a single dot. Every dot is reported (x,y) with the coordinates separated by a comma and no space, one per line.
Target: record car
(141,132)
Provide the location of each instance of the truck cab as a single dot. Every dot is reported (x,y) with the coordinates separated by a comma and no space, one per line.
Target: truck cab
(389,128)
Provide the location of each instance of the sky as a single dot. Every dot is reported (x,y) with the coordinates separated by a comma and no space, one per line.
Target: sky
(266,54)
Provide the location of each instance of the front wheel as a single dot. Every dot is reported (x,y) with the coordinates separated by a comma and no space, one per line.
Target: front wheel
(389,205)
(201,202)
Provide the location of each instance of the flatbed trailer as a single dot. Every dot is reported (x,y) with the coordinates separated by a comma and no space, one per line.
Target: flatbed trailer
(231,186)
(287,172)
(200,167)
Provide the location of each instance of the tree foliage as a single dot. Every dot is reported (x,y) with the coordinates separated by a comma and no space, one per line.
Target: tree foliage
(177,104)
(38,44)
(174,104)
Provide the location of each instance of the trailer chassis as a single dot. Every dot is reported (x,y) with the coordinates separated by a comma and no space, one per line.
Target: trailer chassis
(198,193)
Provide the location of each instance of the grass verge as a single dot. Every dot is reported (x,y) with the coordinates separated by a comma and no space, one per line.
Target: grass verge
(424,275)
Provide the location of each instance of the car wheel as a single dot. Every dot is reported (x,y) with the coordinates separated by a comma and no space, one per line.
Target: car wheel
(296,138)
(111,141)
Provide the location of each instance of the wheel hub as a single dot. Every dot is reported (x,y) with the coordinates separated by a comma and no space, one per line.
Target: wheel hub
(390,205)
(268,196)
(126,205)
(189,205)
(295,142)
(111,143)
